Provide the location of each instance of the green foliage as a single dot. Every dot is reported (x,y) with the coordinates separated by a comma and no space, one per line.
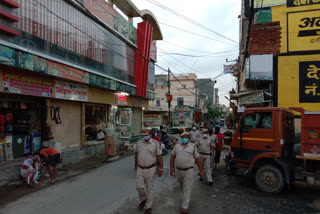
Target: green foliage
(213,112)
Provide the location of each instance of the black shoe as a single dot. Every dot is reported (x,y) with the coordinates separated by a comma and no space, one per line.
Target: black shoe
(141,205)
(201,179)
(148,211)
(210,183)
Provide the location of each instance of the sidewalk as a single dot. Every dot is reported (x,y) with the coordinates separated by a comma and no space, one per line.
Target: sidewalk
(19,188)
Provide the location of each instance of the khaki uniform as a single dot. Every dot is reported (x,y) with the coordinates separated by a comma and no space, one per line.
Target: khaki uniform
(194,136)
(185,158)
(215,140)
(204,148)
(147,156)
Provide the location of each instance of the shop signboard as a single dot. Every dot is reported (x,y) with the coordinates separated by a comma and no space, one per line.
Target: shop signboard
(252,98)
(70,91)
(122,99)
(67,72)
(27,84)
(303,31)
(309,78)
(7,55)
(298,3)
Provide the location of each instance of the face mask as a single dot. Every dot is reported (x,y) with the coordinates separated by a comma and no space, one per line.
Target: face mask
(204,135)
(194,128)
(146,138)
(184,140)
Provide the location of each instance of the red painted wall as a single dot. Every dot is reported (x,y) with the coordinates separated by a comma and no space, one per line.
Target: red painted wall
(142,57)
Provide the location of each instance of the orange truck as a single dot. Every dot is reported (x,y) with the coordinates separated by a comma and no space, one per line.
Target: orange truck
(264,146)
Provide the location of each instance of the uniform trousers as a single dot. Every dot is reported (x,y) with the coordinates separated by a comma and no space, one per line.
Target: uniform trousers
(144,184)
(206,163)
(185,179)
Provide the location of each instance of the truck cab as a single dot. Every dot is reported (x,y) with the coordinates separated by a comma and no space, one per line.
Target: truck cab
(263,144)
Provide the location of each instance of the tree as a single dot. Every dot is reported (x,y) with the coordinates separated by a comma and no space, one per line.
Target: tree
(213,112)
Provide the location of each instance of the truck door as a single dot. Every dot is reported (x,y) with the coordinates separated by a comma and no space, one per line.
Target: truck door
(256,135)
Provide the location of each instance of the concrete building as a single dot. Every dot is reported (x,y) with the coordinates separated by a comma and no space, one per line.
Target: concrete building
(183,89)
(70,69)
(206,87)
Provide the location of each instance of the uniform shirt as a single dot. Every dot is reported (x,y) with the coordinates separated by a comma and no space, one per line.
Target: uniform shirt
(147,152)
(194,135)
(185,155)
(205,144)
(49,151)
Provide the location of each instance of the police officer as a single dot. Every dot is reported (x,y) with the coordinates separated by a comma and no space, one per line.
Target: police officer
(183,158)
(194,134)
(147,154)
(206,147)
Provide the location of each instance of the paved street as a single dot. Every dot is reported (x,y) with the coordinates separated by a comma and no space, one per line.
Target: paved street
(111,189)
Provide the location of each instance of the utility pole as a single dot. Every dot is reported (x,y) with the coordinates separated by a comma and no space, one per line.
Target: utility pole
(169,98)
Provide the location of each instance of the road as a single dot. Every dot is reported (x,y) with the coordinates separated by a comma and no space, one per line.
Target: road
(111,189)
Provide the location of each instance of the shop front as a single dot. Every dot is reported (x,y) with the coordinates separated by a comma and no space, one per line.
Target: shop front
(22,113)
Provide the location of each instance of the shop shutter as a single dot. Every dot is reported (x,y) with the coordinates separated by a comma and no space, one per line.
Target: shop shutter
(136,121)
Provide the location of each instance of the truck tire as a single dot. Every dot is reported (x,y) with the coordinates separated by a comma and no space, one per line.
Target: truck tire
(269,178)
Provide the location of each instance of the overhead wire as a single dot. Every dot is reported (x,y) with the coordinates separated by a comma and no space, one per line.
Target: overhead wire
(196,34)
(190,20)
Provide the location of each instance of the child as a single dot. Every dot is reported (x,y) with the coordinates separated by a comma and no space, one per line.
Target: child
(29,170)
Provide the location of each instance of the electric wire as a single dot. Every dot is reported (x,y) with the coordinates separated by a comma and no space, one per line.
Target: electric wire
(190,20)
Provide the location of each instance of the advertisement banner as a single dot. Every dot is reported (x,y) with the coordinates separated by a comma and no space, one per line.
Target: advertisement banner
(298,3)
(122,99)
(69,91)
(304,31)
(67,72)
(309,87)
(227,69)
(7,56)
(27,84)
(24,60)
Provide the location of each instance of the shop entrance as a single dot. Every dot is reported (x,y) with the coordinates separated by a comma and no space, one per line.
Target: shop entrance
(20,125)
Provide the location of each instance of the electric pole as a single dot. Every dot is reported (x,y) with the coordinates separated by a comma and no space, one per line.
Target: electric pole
(169,98)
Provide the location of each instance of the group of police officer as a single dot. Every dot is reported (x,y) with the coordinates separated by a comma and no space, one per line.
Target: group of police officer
(196,146)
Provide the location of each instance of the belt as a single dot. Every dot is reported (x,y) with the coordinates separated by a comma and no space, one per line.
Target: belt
(185,169)
(205,153)
(147,167)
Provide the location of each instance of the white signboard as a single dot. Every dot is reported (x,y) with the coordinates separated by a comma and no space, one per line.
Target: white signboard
(241,109)
(70,91)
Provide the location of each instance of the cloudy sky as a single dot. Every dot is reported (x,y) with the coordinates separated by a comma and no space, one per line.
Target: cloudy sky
(220,16)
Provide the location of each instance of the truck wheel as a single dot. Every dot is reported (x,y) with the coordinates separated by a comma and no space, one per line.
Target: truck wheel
(269,179)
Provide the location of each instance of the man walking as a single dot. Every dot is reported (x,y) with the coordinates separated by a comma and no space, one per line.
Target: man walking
(183,158)
(147,154)
(206,146)
(194,134)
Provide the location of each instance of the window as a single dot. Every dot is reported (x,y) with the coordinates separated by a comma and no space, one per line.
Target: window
(180,101)
(258,120)
(158,104)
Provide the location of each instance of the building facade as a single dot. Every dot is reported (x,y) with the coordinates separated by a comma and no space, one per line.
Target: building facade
(206,87)
(71,69)
(278,50)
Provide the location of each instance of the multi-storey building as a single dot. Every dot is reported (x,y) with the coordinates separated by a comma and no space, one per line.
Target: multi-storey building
(70,69)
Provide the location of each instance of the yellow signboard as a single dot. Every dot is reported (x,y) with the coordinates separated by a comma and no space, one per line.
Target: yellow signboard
(304,31)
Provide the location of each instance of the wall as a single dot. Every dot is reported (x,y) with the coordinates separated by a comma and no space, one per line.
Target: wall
(279,13)
(68,133)
(288,81)
(265,38)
